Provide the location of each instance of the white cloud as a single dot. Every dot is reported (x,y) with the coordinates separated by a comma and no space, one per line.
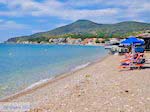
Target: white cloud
(9,28)
(53,8)
(1,20)
(70,10)
(3,1)
(11,25)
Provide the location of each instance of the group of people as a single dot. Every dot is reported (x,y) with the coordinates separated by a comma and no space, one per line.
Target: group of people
(132,60)
(135,57)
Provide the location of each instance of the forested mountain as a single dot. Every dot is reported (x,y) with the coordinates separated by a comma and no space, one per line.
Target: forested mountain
(87,29)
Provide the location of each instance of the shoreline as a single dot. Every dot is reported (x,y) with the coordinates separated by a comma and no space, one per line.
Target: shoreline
(98,87)
(51,80)
(96,45)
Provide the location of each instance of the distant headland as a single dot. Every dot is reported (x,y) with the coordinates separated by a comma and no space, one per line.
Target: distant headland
(83,32)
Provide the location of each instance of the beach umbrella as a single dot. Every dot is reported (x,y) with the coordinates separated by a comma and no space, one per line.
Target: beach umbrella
(132,41)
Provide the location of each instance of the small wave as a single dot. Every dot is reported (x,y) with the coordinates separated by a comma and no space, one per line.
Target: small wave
(80,66)
(48,79)
(38,83)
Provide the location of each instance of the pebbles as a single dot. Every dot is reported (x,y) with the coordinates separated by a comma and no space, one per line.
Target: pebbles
(126,91)
(98,89)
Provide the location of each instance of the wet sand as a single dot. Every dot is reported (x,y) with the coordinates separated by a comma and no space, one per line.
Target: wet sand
(99,87)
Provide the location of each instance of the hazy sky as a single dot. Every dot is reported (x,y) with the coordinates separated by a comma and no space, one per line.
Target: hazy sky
(24,17)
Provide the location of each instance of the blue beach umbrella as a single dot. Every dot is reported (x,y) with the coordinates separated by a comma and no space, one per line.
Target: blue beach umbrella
(132,41)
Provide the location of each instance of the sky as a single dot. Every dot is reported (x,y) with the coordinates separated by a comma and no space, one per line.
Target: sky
(25,17)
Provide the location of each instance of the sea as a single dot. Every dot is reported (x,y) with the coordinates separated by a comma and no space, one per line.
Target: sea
(24,66)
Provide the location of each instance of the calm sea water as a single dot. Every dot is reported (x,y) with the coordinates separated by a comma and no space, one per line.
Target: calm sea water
(24,65)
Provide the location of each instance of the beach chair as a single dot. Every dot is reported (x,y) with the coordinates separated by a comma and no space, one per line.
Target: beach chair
(135,61)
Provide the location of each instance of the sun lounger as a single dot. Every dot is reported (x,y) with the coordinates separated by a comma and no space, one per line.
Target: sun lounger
(135,61)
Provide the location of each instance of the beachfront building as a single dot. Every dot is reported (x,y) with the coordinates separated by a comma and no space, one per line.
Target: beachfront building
(23,42)
(73,41)
(92,41)
(101,40)
(88,41)
(57,41)
(146,37)
(114,41)
(69,40)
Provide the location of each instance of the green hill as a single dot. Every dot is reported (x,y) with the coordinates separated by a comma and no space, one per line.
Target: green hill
(83,27)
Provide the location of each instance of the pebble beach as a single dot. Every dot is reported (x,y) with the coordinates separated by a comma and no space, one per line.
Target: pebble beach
(99,87)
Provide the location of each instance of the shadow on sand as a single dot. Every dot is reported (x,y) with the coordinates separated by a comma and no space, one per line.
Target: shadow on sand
(146,67)
(135,68)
